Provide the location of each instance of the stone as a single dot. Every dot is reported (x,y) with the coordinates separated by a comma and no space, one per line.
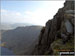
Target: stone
(6,51)
(64,37)
(70,11)
(69,27)
(61,26)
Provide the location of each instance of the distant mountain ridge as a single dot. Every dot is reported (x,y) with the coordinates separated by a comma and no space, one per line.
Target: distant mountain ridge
(22,39)
(9,26)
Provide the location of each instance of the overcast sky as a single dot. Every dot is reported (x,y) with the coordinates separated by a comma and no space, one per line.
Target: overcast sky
(31,12)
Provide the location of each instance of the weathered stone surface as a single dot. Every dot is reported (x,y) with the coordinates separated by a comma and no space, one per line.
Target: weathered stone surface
(70,11)
(59,27)
(69,26)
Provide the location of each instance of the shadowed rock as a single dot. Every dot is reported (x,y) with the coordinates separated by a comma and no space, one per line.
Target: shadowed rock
(61,26)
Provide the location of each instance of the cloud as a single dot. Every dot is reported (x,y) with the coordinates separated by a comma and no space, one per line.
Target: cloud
(18,14)
(27,12)
(11,16)
(39,16)
(3,11)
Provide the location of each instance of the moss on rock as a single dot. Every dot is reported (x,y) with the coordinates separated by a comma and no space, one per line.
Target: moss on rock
(58,46)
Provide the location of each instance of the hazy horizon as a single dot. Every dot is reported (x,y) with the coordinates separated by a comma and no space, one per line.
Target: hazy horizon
(30,12)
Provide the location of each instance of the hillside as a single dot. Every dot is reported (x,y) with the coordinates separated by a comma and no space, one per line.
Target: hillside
(10,26)
(58,34)
(22,39)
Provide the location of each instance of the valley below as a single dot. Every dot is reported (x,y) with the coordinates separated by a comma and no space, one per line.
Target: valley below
(20,40)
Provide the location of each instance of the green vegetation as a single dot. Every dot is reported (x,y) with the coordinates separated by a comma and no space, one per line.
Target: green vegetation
(3,44)
(58,46)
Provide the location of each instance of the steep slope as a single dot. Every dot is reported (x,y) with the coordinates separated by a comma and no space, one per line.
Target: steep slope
(22,39)
(60,27)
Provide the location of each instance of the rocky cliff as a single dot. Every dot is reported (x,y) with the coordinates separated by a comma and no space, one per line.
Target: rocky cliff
(58,32)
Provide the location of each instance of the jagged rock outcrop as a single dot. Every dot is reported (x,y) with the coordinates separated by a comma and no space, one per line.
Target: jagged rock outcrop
(61,26)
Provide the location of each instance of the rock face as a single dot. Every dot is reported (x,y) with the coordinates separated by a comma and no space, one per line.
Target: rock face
(61,26)
(5,51)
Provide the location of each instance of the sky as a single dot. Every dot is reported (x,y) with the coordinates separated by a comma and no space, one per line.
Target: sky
(31,12)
